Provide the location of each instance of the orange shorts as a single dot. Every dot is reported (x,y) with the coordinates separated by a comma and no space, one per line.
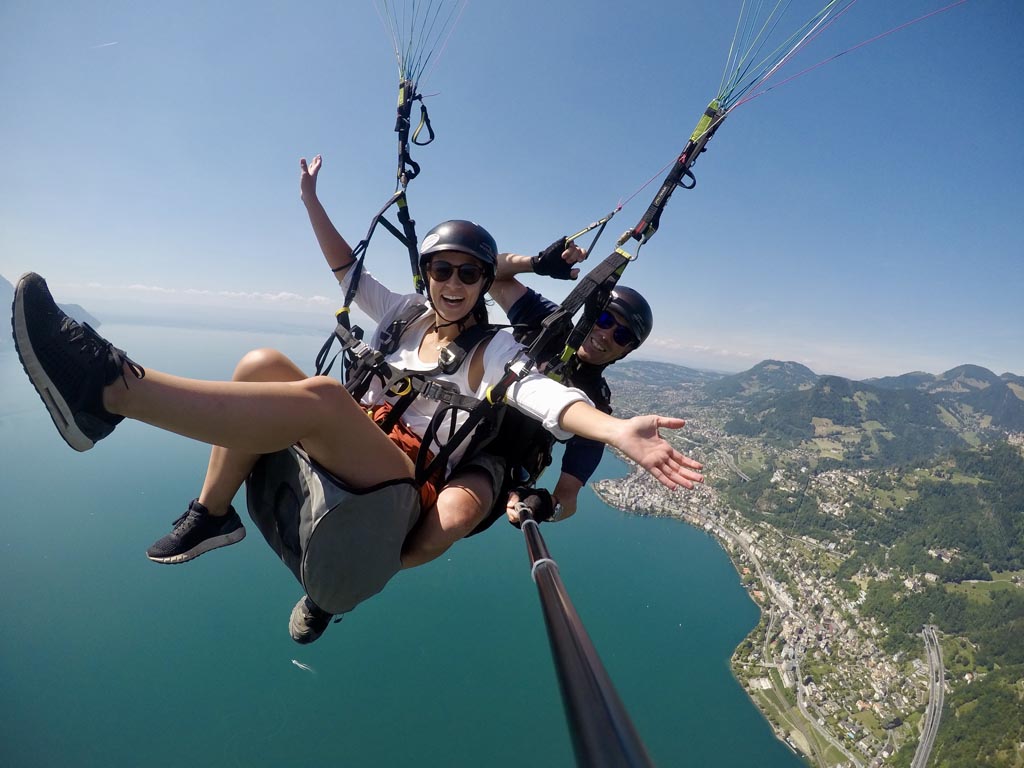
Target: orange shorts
(410,443)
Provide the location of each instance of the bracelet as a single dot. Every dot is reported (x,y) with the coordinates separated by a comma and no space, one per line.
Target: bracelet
(343,266)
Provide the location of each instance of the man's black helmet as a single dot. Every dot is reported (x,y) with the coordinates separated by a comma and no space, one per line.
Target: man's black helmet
(634,310)
(465,237)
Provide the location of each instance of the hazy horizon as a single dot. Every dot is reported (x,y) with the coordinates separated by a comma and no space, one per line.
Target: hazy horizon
(292,314)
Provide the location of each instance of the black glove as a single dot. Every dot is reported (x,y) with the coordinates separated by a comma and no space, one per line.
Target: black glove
(538,501)
(550,263)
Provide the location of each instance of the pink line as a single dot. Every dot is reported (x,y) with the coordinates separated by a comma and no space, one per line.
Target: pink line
(444,46)
(648,182)
(848,50)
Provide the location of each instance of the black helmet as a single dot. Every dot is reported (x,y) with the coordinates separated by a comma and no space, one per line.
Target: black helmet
(634,310)
(465,237)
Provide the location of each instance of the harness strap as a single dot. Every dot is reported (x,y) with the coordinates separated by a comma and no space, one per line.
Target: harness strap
(443,392)
(680,175)
(408,169)
(489,407)
(559,339)
(363,362)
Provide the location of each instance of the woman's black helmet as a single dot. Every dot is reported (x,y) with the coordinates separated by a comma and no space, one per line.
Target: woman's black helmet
(634,310)
(465,237)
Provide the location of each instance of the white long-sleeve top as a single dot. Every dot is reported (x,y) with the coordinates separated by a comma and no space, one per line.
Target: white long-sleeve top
(535,395)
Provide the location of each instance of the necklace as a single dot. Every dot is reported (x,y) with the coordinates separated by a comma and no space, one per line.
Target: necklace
(440,344)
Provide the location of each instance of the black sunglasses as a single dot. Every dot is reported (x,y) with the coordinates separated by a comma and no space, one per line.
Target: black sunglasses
(442,271)
(622,335)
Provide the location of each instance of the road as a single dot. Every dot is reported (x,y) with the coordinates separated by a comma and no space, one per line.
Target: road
(936,692)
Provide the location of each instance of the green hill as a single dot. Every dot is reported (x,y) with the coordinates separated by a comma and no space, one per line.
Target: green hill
(768,377)
(652,374)
(852,422)
(878,422)
(913,380)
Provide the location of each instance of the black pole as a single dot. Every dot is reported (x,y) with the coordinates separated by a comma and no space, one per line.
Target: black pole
(603,736)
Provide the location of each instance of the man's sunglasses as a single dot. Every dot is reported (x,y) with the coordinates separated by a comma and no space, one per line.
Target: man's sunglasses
(622,335)
(442,271)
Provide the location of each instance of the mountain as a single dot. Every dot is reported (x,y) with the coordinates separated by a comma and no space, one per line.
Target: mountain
(1015,383)
(976,397)
(648,373)
(769,377)
(6,292)
(968,377)
(852,421)
(914,380)
(971,395)
(80,314)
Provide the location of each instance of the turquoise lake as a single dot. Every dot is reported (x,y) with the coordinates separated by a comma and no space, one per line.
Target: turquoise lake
(108,659)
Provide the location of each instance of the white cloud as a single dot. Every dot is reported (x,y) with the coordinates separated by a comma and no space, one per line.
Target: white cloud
(675,345)
(150,288)
(203,296)
(281,296)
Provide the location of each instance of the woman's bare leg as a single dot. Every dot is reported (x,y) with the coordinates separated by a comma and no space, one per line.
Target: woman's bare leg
(460,507)
(264,417)
(228,468)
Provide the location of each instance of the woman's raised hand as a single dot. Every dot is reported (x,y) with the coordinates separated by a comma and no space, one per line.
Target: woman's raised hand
(307,177)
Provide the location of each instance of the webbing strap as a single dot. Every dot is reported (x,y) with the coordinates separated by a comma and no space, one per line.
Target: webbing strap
(559,339)
(680,175)
(359,252)
(409,169)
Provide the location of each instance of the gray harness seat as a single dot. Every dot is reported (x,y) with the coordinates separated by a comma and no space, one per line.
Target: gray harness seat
(342,544)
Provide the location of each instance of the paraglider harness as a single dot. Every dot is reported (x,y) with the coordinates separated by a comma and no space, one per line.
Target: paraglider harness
(491,426)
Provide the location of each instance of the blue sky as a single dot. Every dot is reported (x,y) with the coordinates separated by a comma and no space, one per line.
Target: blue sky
(866,219)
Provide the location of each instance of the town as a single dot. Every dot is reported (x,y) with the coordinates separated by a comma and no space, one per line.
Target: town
(813,664)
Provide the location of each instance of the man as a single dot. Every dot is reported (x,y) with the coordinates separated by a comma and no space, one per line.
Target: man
(622,327)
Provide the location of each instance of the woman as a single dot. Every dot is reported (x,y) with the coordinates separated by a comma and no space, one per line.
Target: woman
(272,409)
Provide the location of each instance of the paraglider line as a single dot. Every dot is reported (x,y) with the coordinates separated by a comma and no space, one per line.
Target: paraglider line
(848,50)
(444,45)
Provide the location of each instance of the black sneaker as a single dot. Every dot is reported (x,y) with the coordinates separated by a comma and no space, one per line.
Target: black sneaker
(308,621)
(196,532)
(68,362)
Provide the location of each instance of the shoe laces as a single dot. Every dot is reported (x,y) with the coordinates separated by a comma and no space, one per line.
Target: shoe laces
(186,520)
(89,341)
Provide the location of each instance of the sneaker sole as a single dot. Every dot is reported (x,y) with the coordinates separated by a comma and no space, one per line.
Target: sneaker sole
(201,548)
(55,404)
